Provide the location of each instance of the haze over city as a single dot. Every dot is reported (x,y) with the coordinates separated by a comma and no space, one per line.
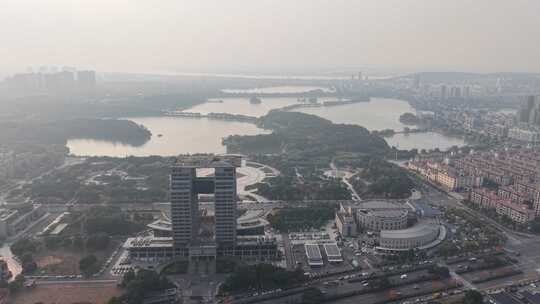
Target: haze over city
(256,36)
(275,152)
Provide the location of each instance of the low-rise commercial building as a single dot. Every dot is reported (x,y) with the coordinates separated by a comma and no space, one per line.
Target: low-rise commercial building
(332,253)
(16,219)
(159,249)
(313,254)
(346,224)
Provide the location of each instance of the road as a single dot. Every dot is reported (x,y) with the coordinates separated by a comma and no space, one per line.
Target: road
(288,251)
(527,245)
(345,175)
(442,198)
(74,281)
(33,228)
(344,287)
(459,278)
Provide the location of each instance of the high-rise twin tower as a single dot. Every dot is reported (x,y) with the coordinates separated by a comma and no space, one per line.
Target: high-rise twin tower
(186,185)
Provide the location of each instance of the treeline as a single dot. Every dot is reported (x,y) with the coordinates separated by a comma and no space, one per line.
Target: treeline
(140,284)
(261,277)
(302,218)
(58,132)
(100,225)
(262,143)
(288,188)
(123,105)
(310,134)
(302,146)
(379,178)
(109,220)
(65,184)
(409,119)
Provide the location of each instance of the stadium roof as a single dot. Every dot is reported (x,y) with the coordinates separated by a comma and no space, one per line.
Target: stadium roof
(422,228)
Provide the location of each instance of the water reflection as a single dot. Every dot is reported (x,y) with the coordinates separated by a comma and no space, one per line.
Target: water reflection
(178,136)
(185,135)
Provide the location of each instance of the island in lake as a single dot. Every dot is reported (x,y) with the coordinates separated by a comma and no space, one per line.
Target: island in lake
(409,119)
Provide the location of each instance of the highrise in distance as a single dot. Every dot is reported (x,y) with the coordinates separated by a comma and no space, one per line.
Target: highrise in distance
(416,81)
(467,92)
(529,112)
(86,79)
(444,92)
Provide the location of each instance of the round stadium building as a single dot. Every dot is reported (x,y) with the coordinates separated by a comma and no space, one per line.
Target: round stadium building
(424,235)
(382,215)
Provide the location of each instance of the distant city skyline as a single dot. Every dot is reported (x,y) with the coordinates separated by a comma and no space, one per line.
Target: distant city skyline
(212,36)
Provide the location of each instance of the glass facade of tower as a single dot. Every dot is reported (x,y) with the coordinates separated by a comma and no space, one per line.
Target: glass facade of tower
(185,188)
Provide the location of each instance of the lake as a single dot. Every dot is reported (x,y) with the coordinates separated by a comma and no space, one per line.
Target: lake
(377,114)
(189,135)
(180,136)
(277,89)
(243,106)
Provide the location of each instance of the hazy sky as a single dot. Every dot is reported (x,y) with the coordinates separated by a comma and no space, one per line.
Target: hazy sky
(192,35)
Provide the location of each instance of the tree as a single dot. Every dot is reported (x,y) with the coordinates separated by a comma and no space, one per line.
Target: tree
(312,296)
(16,284)
(88,265)
(145,281)
(261,276)
(440,271)
(78,242)
(98,241)
(128,277)
(535,226)
(302,218)
(52,242)
(473,297)
(23,246)
(67,242)
(28,263)
(381,283)
(114,300)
